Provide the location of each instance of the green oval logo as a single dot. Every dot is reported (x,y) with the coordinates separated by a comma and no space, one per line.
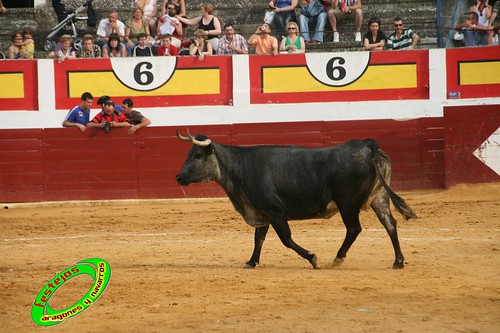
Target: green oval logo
(97,268)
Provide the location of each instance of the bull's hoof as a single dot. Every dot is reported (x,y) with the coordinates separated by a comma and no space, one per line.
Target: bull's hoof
(398,265)
(314,261)
(249,265)
(337,262)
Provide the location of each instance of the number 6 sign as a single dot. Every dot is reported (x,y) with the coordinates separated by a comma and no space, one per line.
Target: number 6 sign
(144,74)
(337,69)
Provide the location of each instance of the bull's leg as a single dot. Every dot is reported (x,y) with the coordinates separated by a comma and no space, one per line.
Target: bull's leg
(283,230)
(381,208)
(260,237)
(351,222)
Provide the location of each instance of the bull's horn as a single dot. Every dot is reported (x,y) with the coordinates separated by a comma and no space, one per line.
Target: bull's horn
(182,138)
(204,143)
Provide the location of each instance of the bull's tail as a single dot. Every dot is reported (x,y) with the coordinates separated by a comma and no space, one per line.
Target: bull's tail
(382,166)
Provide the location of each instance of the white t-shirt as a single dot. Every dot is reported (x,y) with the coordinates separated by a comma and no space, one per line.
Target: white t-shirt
(104,30)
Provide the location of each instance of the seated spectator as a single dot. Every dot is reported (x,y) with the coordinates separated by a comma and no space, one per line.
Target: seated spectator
(200,47)
(137,25)
(320,18)
(3,10)
(401,38)
(79,116)
(109,118)
(135,118)
(494,14)
(27,47)
(484,12)
(63,50)
(167,49)
(284,13)
(180,9)
(142,49)
(264,42)
(108,26)
(89,49)
(342,10)
(474,35)
(232,43)
(150,10)
(206,22)
(170,25)
(374,39)
(293,43)
(113,48)
(14,51)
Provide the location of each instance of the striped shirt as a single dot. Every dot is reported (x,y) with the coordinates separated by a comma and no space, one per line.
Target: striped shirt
(404,43)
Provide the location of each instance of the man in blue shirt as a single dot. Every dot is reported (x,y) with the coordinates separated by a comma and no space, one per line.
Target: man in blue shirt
(79,116)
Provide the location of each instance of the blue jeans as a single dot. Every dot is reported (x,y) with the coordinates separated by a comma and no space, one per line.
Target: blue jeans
(320,26)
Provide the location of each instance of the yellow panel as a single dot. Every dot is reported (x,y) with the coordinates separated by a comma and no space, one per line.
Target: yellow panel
(298,79)
(11,85)
(182,82)
(487,72)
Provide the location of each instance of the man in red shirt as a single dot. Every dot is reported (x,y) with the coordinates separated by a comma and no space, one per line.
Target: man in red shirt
(167,49)
(109,118)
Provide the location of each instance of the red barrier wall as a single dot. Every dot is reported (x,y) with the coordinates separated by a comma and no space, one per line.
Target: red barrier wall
(66,164)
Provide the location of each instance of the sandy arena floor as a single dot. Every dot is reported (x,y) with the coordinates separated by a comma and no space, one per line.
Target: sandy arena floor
(176,267)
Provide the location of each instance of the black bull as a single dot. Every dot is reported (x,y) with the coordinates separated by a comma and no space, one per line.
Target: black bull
(270,185)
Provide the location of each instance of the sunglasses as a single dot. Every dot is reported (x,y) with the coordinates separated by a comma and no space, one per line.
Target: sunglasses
(291,28)
(398,25)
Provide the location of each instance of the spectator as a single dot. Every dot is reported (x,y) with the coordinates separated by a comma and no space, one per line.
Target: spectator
(135,118)
(207,22)
(474,35)
(109,118)
(401,38)
(167,49)
(63,50)
(103,99)
(137,25)
(108,26)
(284,13)
(79,116)
(113,48)
(3,10)
(200,47)
(320,18)
(293,43)
(180,8)
(27,47)
(170,25)
(232,43)
(264,42)
(346,9)
(89,49)
(150,10)
(142,49)
(14,50)
(494,13)
(483,9)
(374,39)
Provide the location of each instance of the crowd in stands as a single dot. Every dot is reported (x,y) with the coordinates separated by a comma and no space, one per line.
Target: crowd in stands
(149,33)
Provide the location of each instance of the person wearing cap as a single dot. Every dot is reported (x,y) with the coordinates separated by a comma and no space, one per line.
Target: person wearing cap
(79,116)
(103,99)
(109,118)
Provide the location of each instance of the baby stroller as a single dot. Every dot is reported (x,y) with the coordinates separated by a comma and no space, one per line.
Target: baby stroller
(68,18)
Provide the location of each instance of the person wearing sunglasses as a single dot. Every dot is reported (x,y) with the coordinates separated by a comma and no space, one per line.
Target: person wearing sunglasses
(401,38)
(293,43)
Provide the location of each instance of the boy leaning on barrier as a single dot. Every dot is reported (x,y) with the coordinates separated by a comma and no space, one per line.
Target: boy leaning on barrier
(135,118)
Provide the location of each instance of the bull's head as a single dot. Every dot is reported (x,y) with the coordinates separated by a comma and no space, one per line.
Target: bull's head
(201,164)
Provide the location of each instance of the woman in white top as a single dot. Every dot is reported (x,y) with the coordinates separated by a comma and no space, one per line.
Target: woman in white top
(150,10)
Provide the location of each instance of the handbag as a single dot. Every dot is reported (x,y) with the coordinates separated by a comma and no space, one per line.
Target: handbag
(313,8)
(268,18)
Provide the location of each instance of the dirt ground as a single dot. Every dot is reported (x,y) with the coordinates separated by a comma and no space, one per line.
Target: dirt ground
(177,267)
